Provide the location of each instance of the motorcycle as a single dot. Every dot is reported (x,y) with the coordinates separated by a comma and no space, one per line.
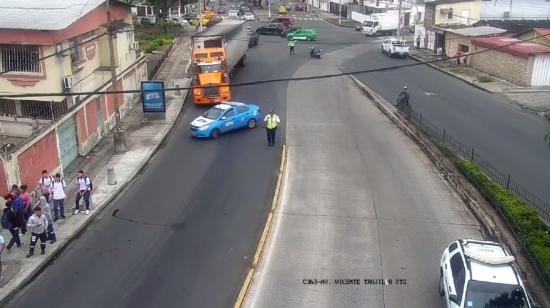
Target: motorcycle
(315,53)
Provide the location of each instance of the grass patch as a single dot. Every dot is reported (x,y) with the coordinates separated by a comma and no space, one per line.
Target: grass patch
(524,220)
(484,79)
(151,38)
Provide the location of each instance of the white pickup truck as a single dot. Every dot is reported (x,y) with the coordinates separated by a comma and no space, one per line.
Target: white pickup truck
(395,46)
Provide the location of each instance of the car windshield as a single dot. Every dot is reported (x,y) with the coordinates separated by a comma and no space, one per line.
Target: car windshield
(398,43)
(209,68)
(494,295)
(213,113)
(368,23)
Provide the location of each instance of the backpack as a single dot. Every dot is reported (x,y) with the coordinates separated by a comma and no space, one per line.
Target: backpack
(91,184)
(6,224)
(51,182)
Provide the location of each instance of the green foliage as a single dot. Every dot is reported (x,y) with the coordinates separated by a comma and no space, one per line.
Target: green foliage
(524,220)
(547,136)
(484,79)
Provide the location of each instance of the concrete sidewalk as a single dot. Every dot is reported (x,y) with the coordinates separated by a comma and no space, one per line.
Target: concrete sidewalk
(143,137)
(532,98)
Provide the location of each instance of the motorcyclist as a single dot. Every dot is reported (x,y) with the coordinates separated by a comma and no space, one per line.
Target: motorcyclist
(403,98)
(314,53)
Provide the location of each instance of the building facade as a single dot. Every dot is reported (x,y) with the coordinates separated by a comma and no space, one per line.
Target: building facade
(60,50)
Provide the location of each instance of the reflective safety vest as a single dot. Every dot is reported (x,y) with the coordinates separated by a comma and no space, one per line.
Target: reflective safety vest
(272,121)
(291,44)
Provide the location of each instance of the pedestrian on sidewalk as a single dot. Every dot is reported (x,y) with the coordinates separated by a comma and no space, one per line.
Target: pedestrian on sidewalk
(17,206)
(38,224)
(59,195)
(291,43)
(84,185)
(47,211)
(45,184)
(271,121)
(12,224)
(27,200)
(2,248)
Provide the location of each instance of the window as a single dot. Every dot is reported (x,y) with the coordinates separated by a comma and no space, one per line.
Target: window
(242,109)
(453,247)
(450,14)
(76,52)
(457,268)
(21,58)
(486,294)
(229,113)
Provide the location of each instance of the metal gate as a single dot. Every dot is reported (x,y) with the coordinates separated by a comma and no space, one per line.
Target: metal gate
(541,71)
(68,145)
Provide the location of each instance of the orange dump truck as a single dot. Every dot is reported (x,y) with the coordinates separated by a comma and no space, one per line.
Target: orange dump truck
(217,51)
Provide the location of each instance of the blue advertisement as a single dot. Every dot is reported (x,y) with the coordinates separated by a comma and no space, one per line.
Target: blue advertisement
(152,96)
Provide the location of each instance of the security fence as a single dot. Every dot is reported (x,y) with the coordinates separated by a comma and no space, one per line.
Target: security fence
(459,149)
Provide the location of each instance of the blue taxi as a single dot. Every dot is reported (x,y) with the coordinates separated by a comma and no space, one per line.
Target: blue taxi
(225,117)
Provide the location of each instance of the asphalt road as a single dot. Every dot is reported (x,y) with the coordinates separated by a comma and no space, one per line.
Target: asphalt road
(360,201)
(509,138)
(198,210)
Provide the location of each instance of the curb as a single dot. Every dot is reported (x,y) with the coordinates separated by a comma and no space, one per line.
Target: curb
(459,185)
(98,210)
(451,74)
(267,228)
(486,222)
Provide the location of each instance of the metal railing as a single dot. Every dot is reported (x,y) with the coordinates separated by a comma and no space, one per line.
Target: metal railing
(505,179)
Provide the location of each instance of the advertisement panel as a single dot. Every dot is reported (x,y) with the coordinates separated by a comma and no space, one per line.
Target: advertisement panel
(152,96)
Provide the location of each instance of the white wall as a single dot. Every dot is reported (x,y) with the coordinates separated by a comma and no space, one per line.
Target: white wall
(519,9)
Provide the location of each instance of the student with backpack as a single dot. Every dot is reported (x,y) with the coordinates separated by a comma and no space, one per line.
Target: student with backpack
(45,183)
(59,195)
(84,185)
(9,222)
(17,204)
(27,200)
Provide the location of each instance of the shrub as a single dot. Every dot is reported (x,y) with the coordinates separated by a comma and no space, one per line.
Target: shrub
(523,219)
(484,79)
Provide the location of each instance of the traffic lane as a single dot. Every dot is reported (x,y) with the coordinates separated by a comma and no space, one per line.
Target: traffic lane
(360,201)
(199,206)
(497,131)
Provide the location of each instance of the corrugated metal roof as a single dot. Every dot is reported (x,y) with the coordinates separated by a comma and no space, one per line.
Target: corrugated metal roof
(476,31)
(543,31)
(43,15)
(520,49)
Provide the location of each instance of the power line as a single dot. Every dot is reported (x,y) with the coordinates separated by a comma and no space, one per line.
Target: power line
(326,76)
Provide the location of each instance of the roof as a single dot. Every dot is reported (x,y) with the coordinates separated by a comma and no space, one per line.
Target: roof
(221,28)
(44,15)
(475,31)
(483,271)
(543,32)
(512,46)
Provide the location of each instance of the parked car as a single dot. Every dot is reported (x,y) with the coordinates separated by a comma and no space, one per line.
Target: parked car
(208,14)
(480,274)
(299,7)
(189,16)
(223,118)
(180,21)
(289,29)
(270,29)
(245,8)
(285,21)
(146,20)
(203,20)
(249,16)
(395,46)
(221,10)
(303,34)
(282,10)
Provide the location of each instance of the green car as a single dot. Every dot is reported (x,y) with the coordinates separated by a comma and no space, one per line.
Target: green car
(303,34)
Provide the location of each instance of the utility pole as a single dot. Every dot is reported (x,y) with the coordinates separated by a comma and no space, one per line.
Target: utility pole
(269,9)
(399,19)
(339,11)
(118,133)
(200,15)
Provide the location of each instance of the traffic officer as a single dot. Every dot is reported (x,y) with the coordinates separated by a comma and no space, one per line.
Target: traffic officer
(291,46)
(271,121)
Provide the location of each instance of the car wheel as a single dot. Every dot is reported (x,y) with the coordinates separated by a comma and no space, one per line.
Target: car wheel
(215,133)
(441,288)
(251,123)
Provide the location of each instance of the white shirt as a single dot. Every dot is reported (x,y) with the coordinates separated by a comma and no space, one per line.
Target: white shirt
(83,183)
(59,190)
(46,182)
